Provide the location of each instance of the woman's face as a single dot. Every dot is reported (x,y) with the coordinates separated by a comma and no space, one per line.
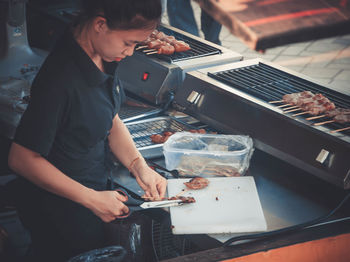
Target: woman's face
(114,45)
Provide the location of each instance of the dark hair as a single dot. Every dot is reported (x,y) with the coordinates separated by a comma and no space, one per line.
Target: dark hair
(122,14)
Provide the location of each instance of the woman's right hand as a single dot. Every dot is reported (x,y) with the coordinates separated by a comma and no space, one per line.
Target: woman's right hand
(107,205)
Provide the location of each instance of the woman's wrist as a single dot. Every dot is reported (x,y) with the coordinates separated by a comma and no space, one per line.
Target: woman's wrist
(87,197)
(137,165)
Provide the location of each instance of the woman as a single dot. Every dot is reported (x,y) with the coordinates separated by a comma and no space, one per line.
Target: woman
(69,126)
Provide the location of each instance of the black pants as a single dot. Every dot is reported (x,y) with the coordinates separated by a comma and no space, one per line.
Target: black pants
(59,228)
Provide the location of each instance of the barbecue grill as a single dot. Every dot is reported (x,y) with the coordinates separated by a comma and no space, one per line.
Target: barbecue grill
(234,98)
(142,130)
(156,77)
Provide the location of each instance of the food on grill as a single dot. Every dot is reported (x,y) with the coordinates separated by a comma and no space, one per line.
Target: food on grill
(342,118)
(199,131)
(165,44)
(295,97)
(157,139)
(197,183)
(338,111)
(166,49)
(160,139)
(180,46)
(313,104)
(154,43)
(339,118)
(316,104)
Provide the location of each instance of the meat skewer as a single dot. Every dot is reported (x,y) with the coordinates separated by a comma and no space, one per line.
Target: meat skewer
(284,105)
(324,122)
(341,129)
(166,49)
(315,117)
(332,113)
(297,100)
(141,47)
(292,110)
(152,53)
(290,107)
(301,113)
(338,111)
(321,104)
(165,44)
(310,103)
(341,118)
(295,97)
(181,46)
(148,50)
(276,102)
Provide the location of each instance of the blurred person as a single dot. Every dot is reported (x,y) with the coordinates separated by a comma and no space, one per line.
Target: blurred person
(180,13)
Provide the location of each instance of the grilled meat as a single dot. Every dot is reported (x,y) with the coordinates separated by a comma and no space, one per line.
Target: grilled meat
(183,199)
(338,111)
(160,139)
(314,104)
(342,118)
(165,44)
(197,183)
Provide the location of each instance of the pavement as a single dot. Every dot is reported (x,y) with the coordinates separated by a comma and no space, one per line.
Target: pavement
(326,60)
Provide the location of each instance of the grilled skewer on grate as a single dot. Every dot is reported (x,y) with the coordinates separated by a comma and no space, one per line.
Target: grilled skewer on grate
(315,104)
(160,43)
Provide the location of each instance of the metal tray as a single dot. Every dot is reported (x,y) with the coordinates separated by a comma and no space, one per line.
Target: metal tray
(142,130)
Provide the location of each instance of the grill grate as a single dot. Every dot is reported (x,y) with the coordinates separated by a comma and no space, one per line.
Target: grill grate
(198,49)
(142,130)
(269,84)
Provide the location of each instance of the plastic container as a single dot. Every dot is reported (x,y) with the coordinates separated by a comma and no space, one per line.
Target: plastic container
(208,155)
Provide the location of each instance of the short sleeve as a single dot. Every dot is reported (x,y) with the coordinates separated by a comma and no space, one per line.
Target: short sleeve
(42,119)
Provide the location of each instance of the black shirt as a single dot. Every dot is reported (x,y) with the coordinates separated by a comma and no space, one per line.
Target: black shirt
(70,113)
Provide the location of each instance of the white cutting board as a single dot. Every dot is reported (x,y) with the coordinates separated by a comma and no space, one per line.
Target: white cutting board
(227,205)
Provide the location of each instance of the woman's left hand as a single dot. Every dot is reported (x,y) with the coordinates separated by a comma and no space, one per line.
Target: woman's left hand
(149,180)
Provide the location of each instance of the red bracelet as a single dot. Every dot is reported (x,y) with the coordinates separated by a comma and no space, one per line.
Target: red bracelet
(132,163)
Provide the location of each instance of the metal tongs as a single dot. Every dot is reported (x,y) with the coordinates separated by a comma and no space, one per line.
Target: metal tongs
(135,204)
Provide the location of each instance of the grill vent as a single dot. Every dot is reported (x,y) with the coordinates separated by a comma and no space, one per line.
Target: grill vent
(166,245)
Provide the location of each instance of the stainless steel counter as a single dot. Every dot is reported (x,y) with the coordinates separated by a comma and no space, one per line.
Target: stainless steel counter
(289,196)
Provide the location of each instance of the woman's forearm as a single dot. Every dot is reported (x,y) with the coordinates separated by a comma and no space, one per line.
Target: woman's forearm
(123,147)
(39,171)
